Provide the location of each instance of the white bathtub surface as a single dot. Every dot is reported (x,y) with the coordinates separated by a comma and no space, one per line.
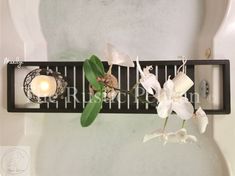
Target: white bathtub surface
(151,29)
(113,146)
(162,29)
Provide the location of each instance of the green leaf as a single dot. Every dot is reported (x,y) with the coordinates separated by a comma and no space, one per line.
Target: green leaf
(92,109)
(91,76)
(97,66)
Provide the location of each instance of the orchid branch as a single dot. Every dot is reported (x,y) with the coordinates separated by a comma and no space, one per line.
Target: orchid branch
(165,123)
(130,92)
(183,123)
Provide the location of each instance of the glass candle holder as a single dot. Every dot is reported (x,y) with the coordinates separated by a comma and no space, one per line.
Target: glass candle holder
(44,85)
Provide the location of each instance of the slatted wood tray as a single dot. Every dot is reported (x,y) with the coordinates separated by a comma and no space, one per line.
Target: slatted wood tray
(127,77)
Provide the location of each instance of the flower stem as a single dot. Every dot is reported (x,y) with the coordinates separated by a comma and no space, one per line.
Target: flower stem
(141,99)
(183,123)
(165,123)
(120,90)
(134,87)
(130,92)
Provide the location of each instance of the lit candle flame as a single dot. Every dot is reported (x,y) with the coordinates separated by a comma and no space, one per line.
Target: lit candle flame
(43,86)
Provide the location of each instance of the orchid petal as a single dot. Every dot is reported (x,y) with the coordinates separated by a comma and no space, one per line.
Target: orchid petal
(161,96)
(190,139)
(147,69)
(183,108)
(168,87)
(164,138)
(117,58)
(153,135)
(139,67)
(201,120)
(148,80)
(172,138)
(149,83)
(164,108)
(157,87)
(184,137)
(181,134)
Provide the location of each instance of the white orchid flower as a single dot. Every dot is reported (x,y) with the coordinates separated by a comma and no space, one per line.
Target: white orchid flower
(170,101)
(179,136)
(115,57)
(163,136)
(155,134)
(183,137)
(201,119)
(148,80)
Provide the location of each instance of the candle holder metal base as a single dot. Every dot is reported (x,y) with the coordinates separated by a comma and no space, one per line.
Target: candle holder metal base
(61,85)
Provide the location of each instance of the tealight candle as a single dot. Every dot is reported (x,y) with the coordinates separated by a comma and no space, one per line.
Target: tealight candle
(43,86)
(182,83)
